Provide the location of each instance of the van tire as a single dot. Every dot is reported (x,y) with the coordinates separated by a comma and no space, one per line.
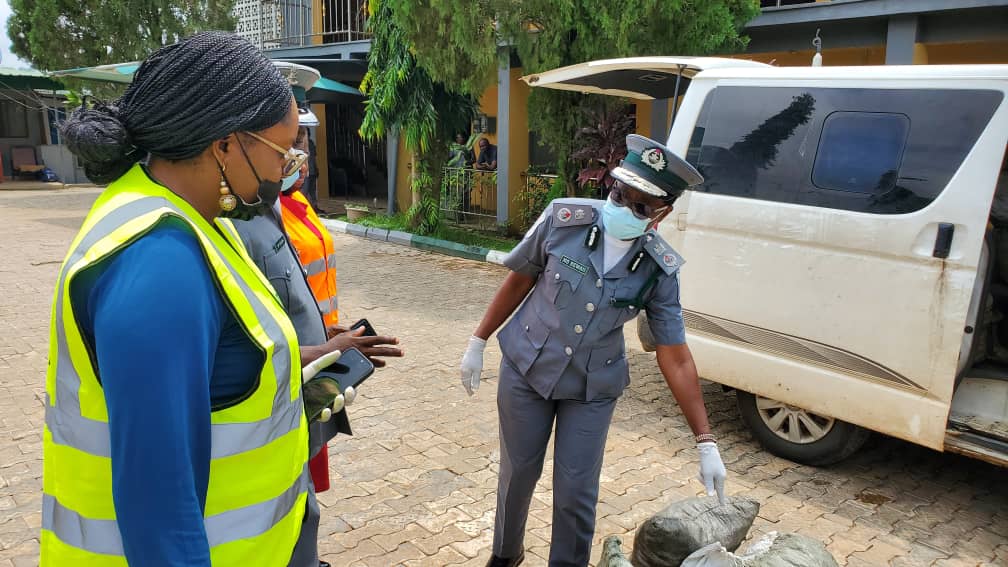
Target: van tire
(842,440)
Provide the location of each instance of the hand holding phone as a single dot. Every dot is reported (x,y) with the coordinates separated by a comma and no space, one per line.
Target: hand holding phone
(335,385)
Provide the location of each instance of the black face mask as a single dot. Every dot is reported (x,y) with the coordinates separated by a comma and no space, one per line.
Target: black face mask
(268,193)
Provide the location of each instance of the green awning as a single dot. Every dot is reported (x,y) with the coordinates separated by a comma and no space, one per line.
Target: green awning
(336,86)
(117,73)
(27,79)
(123,73)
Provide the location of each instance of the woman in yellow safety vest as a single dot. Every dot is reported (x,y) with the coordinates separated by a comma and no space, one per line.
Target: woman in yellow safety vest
(175,432)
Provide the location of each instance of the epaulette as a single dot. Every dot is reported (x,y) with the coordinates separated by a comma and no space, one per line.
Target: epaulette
(667,258)
(572,214)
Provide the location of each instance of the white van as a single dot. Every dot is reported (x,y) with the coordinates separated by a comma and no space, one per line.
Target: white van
(842,268)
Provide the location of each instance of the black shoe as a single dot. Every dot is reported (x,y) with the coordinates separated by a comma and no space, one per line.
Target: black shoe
(323,564)
(505,562)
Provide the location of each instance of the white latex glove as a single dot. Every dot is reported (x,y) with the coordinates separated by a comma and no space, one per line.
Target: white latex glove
(309,372)
(472,364)
(712,469)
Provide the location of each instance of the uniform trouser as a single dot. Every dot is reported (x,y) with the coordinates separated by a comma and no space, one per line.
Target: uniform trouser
(526,422)
(306,549)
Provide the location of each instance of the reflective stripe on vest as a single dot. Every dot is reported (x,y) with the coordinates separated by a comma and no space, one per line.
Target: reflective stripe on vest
(320,265)
(260,513)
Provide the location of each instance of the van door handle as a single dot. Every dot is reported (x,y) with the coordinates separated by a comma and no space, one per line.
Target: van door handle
(943,240)
(680,221)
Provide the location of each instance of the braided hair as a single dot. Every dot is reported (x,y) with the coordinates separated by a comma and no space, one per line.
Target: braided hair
(183,97)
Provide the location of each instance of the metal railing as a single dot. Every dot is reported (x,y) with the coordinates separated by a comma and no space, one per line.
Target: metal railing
(274,24)
(469,196)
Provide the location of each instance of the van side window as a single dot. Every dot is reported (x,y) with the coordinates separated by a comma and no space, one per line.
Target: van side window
(882,151)
(860,151)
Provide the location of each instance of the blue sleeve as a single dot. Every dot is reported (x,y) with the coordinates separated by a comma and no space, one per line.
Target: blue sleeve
(665,312)
(156,319)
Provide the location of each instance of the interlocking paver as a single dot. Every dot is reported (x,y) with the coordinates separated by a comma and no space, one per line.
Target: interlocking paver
(416,483)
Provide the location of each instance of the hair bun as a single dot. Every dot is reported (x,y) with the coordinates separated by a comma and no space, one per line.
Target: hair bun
(99,138)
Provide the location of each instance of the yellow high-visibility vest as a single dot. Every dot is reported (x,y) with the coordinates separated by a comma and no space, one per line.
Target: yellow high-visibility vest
(259,479)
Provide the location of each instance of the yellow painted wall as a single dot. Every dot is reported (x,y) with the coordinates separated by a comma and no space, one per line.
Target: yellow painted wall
(924,54)
(643,115)
(845,56)
(974,52)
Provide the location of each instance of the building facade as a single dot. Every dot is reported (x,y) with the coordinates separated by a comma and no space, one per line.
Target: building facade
(331,35)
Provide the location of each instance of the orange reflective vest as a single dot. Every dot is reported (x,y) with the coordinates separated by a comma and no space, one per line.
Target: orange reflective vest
(314,246)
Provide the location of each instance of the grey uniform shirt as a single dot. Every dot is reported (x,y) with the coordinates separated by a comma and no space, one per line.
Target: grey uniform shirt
(267,245)
(566,339)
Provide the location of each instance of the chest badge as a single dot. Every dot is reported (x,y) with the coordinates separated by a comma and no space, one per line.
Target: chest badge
(564,214)
(574,265)
(669,260)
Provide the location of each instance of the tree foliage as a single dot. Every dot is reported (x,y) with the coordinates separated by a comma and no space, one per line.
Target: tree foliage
(65,34)
(458,41)
(403,96)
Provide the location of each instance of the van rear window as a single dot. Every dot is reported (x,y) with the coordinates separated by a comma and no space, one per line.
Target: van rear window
(883,151)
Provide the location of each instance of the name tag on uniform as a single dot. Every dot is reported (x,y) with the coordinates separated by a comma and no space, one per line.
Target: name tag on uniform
(574,265)
(278,244)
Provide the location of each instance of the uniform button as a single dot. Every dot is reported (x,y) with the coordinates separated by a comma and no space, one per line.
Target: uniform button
(608,361)
(288,271)
(590,307)
(556,276)
(526,328)
(598,283)
(632,308)
(578,329)
(568,350)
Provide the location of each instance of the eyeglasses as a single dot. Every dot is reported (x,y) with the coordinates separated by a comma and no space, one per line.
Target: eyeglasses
(620,196)
(293,159)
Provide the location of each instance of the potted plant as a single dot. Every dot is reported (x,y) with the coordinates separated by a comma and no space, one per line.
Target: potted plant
(602,145)
(356,211)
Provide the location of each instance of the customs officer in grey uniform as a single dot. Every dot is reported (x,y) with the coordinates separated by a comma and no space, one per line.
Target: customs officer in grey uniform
(267,245)
(586,268)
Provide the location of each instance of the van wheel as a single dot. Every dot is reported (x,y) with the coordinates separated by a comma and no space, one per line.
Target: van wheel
(799,435)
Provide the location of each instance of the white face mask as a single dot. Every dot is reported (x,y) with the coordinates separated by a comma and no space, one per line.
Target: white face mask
(620,222)
(290,180)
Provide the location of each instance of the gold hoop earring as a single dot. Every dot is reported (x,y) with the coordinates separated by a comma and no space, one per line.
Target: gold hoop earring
(227,201)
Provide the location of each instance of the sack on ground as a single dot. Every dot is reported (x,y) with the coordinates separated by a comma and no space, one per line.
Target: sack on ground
(668,537)
(772,550)
(612,553)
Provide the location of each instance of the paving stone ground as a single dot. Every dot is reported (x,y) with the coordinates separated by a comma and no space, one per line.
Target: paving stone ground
(416,485)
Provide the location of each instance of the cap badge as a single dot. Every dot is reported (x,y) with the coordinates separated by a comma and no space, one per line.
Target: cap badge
(654,158)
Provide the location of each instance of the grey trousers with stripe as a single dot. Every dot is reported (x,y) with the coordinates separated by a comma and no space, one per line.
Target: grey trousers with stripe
(526,423)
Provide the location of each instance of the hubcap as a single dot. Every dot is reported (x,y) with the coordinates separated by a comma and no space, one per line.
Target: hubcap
(793,423)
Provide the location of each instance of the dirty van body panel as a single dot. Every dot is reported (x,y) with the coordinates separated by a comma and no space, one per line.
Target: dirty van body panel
(811,274)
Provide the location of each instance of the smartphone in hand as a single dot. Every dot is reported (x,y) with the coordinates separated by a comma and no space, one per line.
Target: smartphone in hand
(348,371)
(368,329)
